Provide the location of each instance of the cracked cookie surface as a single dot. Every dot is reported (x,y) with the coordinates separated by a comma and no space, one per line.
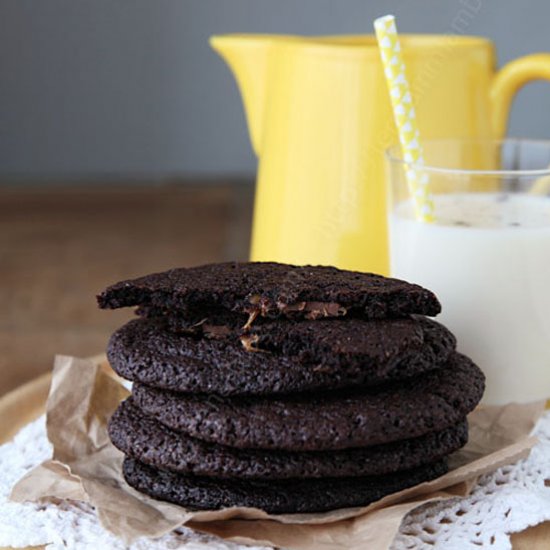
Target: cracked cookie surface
(282,356)
(324,421)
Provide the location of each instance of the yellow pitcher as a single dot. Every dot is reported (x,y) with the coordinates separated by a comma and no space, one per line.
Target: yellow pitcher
(319,119)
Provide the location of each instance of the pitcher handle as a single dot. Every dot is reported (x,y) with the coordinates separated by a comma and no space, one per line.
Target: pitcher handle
(508,82)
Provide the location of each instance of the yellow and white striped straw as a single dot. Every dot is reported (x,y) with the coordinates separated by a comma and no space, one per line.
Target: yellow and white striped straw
(404,115)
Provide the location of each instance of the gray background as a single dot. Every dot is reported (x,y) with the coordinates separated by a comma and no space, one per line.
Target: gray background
(101,88)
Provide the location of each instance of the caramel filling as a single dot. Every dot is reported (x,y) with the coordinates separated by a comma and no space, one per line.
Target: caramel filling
(310,310)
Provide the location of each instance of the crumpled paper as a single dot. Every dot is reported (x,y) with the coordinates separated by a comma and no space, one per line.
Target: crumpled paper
(86,466)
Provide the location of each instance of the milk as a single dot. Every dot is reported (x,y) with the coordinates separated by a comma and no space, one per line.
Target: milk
(488,260)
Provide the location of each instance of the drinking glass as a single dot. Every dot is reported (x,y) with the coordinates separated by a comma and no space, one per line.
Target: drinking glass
(486,255)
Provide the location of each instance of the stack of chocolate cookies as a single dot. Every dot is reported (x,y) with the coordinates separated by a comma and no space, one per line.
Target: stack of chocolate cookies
(290,389)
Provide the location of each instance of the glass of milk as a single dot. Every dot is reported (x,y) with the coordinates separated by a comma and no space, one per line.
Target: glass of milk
(487,255)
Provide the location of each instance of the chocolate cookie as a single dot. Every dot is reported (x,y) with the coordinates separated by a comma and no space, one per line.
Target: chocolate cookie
(326,421)
(275,497)
(281,356)
(148,441)
(272,290)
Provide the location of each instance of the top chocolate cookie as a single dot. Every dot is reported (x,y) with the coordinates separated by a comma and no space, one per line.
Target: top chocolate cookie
(273,290)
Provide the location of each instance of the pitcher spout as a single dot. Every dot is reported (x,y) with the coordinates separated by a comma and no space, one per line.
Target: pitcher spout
(247,56)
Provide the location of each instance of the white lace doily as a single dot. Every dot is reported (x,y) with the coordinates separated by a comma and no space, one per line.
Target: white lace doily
(510,500)
(507,501)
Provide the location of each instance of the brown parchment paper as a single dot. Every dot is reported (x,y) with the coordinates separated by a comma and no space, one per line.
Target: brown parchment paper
(86,466)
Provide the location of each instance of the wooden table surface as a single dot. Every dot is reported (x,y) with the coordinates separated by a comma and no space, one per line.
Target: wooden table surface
(61,245)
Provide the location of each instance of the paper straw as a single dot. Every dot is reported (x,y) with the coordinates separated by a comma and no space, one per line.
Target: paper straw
(404,115)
